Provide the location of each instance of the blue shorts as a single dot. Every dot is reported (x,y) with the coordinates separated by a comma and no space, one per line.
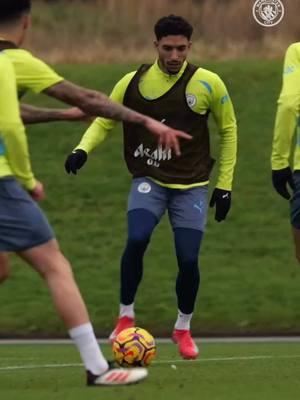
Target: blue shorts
(186,208)
(22,223)
(295,202)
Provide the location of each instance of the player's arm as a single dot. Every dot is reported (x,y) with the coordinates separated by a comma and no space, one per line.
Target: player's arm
(285,127)
(288,110)
(12,130)
(223,113)
(97,103)
(33,115)
(15,142)
(97,131)
(35,75)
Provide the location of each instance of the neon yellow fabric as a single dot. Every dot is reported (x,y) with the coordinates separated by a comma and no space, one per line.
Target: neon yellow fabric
(31,73)
(14,156)
(205,90)
(288,112)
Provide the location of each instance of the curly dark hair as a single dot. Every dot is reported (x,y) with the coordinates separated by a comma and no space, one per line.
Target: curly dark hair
(11,10)
(172,25)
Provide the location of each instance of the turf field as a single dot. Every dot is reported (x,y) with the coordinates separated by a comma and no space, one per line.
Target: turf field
(250,280)
(244,371)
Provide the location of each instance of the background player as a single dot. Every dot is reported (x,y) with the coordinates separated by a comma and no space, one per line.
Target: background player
(286,124)
(181,94)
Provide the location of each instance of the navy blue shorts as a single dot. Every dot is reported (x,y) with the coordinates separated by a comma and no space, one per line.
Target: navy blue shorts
(186,208)
(23,225)
(295,202)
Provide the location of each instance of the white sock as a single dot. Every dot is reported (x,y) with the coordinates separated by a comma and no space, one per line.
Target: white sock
(126,311)
(91,355)
(183,321)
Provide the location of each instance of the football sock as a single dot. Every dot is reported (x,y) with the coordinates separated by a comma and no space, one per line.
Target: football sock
(89,349)
(140,227)
(183,321)
(187,243)
(127,311)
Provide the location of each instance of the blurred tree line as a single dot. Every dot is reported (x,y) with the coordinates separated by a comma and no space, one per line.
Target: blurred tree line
(122,30)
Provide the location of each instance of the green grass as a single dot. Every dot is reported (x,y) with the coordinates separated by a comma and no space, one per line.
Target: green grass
(250,279)
(244,371)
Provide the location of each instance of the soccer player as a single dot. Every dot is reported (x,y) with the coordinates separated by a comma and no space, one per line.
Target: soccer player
(183,95)
(33,74)
(287,123)
(24,230)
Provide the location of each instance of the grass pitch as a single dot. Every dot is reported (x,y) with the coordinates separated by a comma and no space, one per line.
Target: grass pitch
(249,276)
(228,371)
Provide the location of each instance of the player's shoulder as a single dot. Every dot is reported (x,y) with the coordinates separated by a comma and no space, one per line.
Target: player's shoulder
(25,58)
(4,60)
(293,49)
(5,64)
(125,80)
(19,53)
(128,76)
(294,46)
(202,73)
(208,78)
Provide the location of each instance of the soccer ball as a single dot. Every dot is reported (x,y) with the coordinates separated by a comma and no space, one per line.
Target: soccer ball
(134,347)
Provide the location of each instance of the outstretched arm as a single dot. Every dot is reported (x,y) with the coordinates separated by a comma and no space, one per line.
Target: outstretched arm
(34,115)
(98,104)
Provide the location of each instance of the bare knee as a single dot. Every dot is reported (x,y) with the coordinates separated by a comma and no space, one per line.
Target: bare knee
(48,260)
(4,267)
(55,265)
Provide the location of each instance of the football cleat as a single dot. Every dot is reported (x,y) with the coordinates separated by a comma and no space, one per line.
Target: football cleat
(186,345)
(117,376)
(123,323)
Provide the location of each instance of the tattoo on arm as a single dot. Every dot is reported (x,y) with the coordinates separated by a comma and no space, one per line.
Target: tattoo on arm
(93,102)
(34,115)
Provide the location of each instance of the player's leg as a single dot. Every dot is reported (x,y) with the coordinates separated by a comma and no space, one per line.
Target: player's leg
(4,267)
(187,212)
(296,235)
(146,205)
(295,213)
(54,268)
(24,226)
(6,222)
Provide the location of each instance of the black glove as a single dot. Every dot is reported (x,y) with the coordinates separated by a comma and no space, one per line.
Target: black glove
(280,179)
(75,161)
(222,199)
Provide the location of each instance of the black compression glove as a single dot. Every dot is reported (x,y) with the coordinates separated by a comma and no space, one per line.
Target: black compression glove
(75,161)
(222,200)
(281,178)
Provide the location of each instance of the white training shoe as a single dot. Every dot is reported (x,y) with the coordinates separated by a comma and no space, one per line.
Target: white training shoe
(117,377)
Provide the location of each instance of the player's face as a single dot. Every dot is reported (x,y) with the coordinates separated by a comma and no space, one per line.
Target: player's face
(172,52)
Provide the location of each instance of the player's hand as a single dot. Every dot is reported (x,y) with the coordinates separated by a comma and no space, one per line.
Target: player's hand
(167,137)
(37,193)
(222,200)
(75,161)
(281,178)
(75,114)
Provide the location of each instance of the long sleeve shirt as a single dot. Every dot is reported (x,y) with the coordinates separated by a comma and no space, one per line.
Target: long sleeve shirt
(14,155)
(287,121)
(205,91)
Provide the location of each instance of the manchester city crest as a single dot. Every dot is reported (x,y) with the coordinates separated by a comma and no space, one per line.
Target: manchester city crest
(268,12)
